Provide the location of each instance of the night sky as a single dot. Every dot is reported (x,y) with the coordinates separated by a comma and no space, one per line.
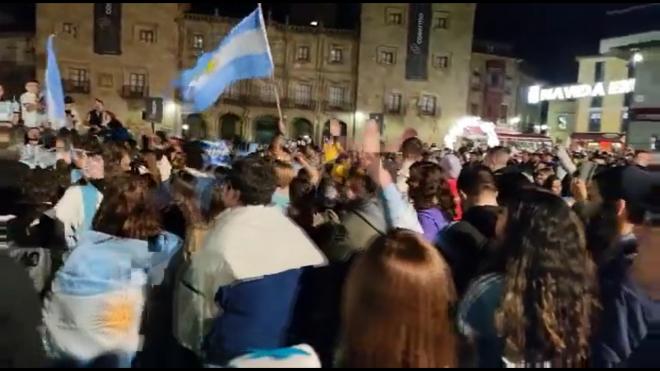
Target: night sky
(547,36)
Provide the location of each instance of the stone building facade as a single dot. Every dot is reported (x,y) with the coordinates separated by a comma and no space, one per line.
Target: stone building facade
(147,65)
(429,106)
(315,77)
(320,73)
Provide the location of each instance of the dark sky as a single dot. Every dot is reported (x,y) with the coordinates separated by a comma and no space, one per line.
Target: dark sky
(547,35)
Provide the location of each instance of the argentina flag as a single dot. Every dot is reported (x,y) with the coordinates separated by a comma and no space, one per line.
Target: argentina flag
(243,54)
(54,93)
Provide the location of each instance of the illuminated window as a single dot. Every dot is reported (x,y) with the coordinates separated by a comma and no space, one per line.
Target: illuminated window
(336,55)
(441,20)
(303,95)
(427,105)
(70,28)
(393,103)
(198,41)
(137,82)
(302,54)
(386,57)
(394,16)
(336,95)
(78,77)
(147,36)
(440,61)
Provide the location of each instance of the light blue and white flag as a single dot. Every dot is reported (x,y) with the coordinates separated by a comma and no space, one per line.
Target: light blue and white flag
(243,54)
(54,93)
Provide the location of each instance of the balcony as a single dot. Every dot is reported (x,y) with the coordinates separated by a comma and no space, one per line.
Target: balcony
(134,91)
(76,86)
(338,106)
(308,104)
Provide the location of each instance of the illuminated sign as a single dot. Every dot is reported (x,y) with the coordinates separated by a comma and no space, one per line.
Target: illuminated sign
(537,94)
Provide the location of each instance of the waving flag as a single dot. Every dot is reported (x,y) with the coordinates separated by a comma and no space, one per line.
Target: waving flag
(243,54)
(54,94)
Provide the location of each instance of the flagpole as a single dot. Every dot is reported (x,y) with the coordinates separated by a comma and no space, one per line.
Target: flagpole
(281,125)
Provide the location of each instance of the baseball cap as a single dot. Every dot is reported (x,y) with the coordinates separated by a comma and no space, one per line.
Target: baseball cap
(632,184)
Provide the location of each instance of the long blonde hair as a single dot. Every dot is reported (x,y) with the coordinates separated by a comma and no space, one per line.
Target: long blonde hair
(397,305)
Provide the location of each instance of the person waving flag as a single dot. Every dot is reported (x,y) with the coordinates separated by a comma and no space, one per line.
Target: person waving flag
(243,54)
(54,93)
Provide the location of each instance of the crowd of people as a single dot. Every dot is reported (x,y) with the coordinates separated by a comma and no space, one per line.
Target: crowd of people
(141,252)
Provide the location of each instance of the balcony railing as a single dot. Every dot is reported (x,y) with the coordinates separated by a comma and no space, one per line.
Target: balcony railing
(76,86)
(134,91)
(309,104)
(338,106)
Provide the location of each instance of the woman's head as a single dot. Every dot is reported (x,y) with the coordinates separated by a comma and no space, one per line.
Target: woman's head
(117,159)
(550,290)
(128,210)
(553,184)
(396,309)
(428,187)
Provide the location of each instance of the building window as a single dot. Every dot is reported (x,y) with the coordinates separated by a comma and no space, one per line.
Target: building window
(427,105)
(302,54)
(440,61)
(105,80)
(394,16)
(596,102)
(336,55)
(474,109)
(78,77)
(198,41)
(599,71)
(267,92)
(336,95)
(495,79)
(441,20)
(70,28)
(386,57)
(504,111)
(147,36)
(393,103)
(594,122)
(137,82)
(303,95)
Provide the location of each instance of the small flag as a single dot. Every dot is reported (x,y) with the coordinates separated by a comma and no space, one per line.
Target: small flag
(243,54)
(54,93)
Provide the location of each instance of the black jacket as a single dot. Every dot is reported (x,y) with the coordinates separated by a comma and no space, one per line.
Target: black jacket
(20,316)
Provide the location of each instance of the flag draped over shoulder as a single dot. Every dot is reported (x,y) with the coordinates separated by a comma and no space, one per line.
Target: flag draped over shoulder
(243,54)
(54,93)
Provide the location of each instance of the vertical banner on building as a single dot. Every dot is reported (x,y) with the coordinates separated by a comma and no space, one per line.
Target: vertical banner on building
(419,27)
(107,28)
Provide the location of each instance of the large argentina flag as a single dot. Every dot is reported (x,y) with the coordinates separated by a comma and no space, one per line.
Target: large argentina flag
(243,54)
(54,93)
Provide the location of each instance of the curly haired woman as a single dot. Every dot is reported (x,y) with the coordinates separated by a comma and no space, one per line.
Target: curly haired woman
(538,310)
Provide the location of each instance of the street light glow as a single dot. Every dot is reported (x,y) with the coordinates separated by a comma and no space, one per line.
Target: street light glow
(314,23)
(637,57)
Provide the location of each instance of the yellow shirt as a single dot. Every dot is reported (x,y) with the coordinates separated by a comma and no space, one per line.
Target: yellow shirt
(331,151)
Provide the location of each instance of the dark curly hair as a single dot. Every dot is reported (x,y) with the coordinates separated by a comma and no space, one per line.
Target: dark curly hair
(128,210)
(428,188)
(255,178)
(550,291)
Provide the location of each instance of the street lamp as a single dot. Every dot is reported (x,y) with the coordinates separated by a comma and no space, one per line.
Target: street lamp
(637,58)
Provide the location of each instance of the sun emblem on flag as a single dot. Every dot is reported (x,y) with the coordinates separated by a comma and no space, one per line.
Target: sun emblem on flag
(118,315)
(210,67)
